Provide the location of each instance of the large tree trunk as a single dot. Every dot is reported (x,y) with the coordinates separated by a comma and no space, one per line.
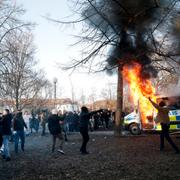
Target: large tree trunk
(17,104)
(17,99)
(119,106)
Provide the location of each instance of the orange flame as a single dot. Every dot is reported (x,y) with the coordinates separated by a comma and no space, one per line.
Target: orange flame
(140,90)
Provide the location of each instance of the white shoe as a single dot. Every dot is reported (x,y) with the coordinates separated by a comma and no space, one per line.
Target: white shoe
(61,151)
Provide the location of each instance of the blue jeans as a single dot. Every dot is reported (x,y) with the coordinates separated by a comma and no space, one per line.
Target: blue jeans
(66,127)
(19,135)
(6,146)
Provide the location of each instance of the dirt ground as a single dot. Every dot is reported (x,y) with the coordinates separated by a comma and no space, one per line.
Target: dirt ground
(110,158)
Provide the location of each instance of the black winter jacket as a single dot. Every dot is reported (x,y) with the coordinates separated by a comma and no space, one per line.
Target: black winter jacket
(1,128)
(6,124)
(84,119)
(19,124)
(54,124)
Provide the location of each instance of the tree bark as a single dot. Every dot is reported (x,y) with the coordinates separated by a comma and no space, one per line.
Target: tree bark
(17,99)
(119,106)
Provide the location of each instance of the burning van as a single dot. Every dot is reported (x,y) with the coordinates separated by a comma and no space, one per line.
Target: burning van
(135,124)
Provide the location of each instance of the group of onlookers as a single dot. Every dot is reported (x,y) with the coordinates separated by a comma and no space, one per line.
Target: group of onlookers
(15,126)
(71,121)
(11,124)
(34,120)
(101,119)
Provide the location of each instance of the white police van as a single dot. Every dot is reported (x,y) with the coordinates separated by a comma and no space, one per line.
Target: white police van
(132,121)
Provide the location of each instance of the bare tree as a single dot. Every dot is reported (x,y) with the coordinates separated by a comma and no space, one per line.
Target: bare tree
(21,81)
(165,82)
(9,21)
(109,91)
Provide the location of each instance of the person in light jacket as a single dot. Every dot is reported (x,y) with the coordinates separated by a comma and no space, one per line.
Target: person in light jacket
(163,119)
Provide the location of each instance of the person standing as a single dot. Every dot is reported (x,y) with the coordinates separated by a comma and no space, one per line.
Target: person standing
(18,127)
(96,121)
(163,119)
(43,118)
(26,118)
(69,121)
(66,122)
(75,121)
(106,115)
(84,123)
(63,127)
(34,123)
(54,125)
(6,132)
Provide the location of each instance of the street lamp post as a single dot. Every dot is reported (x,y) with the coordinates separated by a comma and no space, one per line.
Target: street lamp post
(55,83)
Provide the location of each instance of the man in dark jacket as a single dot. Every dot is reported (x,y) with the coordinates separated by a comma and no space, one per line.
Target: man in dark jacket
(18,127)
(96,121)
(75,121)
(84,123)
(54,125)
(43,119)
(6,132)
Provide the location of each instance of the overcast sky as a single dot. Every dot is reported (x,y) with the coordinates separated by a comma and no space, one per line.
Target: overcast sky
(53,45)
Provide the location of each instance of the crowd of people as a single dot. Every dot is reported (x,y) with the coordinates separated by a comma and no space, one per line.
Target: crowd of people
(12,127)
(16,126)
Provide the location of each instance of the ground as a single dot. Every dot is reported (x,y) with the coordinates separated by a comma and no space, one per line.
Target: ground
(110,158)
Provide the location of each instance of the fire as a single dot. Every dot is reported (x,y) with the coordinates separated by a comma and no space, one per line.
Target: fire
(140,90)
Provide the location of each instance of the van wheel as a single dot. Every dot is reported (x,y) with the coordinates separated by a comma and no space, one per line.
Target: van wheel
(134,129)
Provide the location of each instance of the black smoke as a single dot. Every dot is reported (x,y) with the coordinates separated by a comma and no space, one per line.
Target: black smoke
(128,53)
(129,24)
